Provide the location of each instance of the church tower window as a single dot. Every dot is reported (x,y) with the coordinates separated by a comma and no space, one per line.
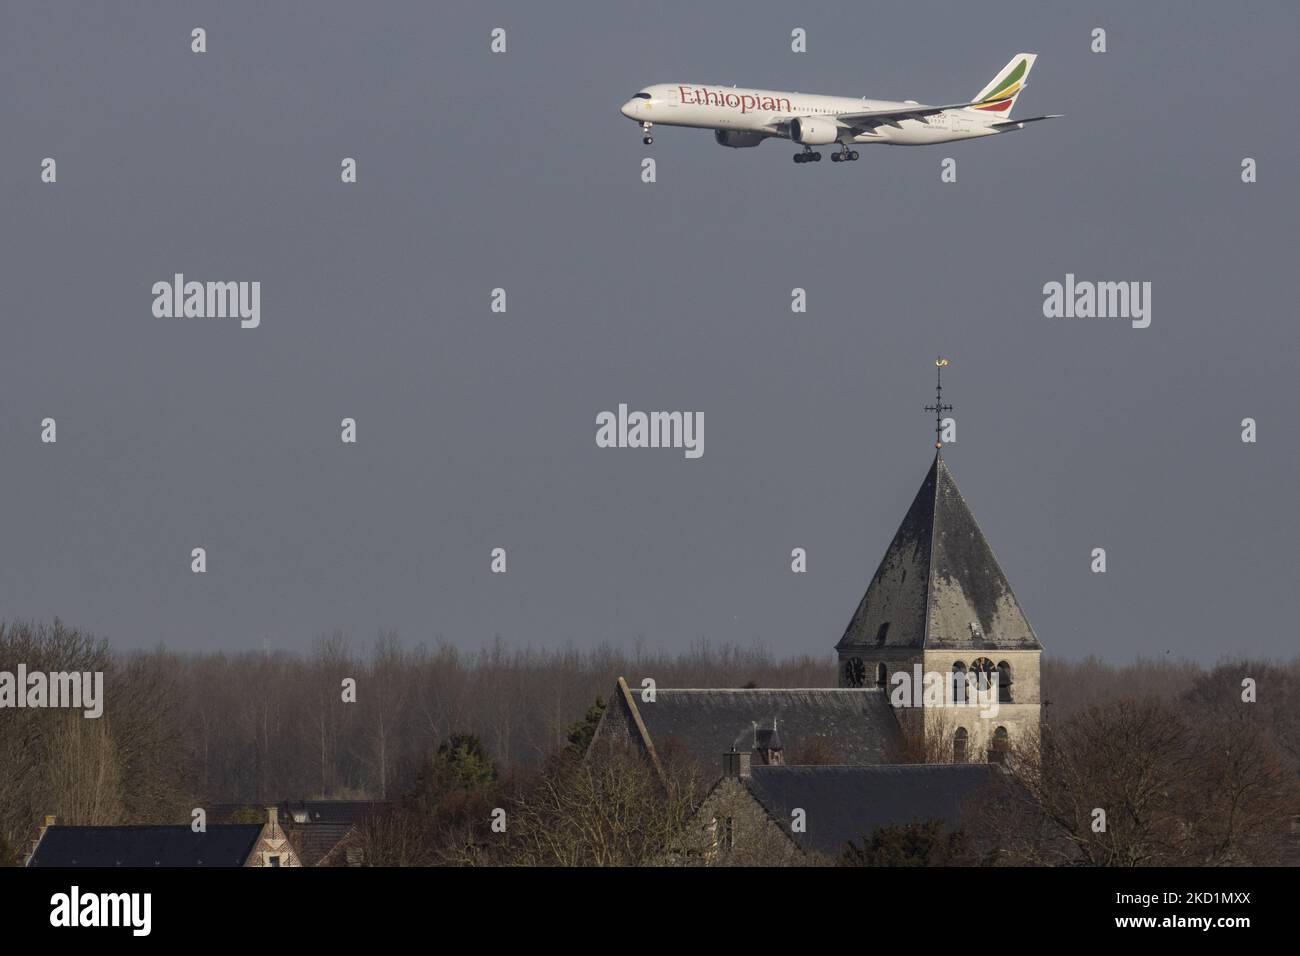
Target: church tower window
(1004,682)
(1001,744)
(959,682)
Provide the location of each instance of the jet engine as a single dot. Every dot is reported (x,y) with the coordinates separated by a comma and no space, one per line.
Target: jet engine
(813,131)
(737,139)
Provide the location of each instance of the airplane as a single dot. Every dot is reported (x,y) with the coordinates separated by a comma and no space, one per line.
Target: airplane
(742,118)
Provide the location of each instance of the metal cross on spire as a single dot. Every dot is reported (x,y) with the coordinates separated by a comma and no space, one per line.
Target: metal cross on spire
(938,407)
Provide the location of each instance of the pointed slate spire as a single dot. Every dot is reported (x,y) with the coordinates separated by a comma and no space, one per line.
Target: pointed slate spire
(939,584)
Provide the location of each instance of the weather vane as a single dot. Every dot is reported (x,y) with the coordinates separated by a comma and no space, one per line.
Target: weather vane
(938,407)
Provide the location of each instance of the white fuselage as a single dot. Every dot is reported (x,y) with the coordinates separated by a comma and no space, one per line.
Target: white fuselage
(767,112)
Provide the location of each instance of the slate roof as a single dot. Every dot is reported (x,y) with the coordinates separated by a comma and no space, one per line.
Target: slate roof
(848,803)
(856,724)
(316,811)
(314,841)
(330,811)
(938,578)
(136,846)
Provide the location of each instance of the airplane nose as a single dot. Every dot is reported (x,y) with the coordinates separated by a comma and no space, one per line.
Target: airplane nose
(627,109)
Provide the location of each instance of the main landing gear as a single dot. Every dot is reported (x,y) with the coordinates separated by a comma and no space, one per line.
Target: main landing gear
(845,155)
(647,138)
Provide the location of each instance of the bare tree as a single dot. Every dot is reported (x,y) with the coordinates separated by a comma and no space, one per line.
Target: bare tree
(1148,782)
(610,810)
(84,774)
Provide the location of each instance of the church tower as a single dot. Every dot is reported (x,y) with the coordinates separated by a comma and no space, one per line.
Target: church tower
(940,605)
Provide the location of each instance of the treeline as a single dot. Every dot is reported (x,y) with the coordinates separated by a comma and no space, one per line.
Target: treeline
(185,730)
(379,721)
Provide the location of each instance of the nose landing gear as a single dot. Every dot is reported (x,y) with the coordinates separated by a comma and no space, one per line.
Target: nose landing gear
(647,138)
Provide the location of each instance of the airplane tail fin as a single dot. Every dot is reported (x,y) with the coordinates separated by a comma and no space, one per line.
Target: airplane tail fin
(998,97)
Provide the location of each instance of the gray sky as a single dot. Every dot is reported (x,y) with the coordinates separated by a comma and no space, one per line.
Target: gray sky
(478,430)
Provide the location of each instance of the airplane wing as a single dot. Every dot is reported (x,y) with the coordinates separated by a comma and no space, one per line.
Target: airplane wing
(871,118)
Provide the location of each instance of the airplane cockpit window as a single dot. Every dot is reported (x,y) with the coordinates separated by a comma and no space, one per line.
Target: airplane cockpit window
(641,96)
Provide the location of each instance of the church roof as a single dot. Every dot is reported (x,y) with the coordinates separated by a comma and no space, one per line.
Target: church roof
(939,585)
(848,725)
(848,803)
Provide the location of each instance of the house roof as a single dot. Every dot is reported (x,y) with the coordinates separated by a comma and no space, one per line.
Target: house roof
(331,811)
(848,803)
(137,846)
(855,725)
(315,811)
(939,585)
(314,841)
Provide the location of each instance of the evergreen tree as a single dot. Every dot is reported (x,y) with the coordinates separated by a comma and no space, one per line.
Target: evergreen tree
(460,763)
(580,733)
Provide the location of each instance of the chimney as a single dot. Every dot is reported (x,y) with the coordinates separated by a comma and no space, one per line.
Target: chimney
(768,746)
(273,816)
(735,764)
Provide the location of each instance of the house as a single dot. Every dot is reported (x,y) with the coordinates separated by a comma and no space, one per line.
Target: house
(322,832)
(762,814)
(327,832)
(218,845)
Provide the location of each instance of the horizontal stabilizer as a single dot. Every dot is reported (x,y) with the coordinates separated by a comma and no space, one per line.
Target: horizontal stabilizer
(1031,119)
